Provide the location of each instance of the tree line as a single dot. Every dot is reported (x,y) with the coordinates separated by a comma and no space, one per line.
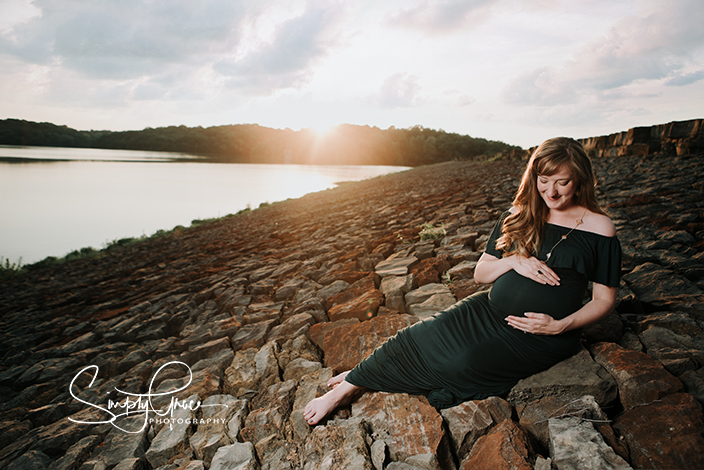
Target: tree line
(345,144)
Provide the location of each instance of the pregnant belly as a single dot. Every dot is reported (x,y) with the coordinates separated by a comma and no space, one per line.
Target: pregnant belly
(514,294)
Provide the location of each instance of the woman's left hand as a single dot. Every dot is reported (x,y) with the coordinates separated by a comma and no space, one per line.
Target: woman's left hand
(536,324)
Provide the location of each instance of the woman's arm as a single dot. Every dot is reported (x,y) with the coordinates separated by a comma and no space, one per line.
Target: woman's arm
(489,268)
(602,303)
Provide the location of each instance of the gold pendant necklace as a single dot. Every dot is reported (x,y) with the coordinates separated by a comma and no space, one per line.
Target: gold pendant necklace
(579,221)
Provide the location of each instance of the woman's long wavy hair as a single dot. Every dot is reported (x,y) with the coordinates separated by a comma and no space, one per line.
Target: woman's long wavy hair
(522,232)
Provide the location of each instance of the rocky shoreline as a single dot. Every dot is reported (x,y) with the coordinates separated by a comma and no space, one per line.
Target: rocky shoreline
(260,309)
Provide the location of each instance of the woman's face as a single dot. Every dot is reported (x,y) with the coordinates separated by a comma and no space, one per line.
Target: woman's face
(557,190)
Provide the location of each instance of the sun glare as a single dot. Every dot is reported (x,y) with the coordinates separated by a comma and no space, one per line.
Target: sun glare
(323,130)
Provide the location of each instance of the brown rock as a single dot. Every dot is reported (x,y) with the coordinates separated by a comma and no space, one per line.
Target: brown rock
(429,270)
(408,424)
(292,327)
(250,370)
(470,420)
(504,448)
(395,266)
(665,434)
(316,333)
(341,444)
(355,290)
(348,273)
(347,345)
(640,378)
(270,410)
(463,288)
(362,308)
(534,417)
(202,351)
(464,270)
(659,286)
(574,377)
(253,335)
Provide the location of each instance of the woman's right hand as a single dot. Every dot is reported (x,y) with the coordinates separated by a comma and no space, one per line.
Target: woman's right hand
(534,269)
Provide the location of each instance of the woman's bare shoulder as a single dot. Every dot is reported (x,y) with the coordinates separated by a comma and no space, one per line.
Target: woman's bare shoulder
(600,224)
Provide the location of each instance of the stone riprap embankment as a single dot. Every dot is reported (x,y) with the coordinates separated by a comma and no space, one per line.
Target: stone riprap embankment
(259,310)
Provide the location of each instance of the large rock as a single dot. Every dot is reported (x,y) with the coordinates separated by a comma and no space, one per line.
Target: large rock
(432,305)
(395,266)
(205,350)
(640,378)
(294,326)
(208,332)
(239,455)
(54,439)
(270,410)
(211,434)
(665,434)
(341,444)
(396,283)
(429,271)
(463,270)
(298,347)
(362,307)
(535,416)
(661,287)
(173,437)
(250,370)
(76,454)
(331,291)
(471,420)
(408,424)
(347,272)
(317,332)
(694,383)
(253,335)
(575,443)
(394,289)
(346,346)
(357,289)
(425,292)
(504,448)
(574,377)
(31,460)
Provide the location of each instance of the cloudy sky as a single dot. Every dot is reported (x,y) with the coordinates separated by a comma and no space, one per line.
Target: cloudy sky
(510,70)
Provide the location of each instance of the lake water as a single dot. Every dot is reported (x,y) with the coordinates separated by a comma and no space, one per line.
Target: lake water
(56,200)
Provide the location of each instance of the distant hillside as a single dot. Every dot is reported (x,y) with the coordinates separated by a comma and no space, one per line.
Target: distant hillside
(250,143)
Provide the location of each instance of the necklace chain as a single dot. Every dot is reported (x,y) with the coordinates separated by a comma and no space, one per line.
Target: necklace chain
(579,222)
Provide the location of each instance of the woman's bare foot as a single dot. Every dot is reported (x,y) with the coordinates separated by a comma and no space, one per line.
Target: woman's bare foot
(342,394)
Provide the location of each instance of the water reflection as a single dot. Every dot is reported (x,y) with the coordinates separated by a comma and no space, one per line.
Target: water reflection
(51,209)
(15,154)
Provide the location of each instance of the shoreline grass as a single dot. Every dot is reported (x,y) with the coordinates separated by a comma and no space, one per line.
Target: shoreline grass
(10,269)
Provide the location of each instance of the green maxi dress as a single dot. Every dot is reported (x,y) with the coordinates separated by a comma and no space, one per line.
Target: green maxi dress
(469,352)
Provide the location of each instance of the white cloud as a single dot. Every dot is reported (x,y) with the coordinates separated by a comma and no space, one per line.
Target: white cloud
(441,16)
(286,61)
(126,39)
(684,79)
(400,90)
(539,87)
(640,53)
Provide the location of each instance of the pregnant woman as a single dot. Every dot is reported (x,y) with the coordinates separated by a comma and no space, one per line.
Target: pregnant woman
(541,256)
